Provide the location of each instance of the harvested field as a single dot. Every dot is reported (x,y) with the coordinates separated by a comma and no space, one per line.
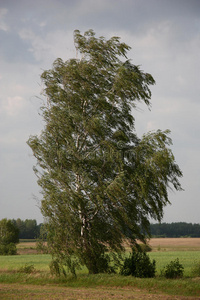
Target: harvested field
(157,244)
(175,244)
(26,248)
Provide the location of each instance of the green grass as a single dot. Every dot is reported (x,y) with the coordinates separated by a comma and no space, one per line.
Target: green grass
(187,286)
(186,258)
(40,262)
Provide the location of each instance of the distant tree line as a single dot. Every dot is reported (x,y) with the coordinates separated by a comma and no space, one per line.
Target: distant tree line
(28,229)
(178,229)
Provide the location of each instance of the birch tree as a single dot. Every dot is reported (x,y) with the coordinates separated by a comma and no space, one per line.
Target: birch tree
(100,182)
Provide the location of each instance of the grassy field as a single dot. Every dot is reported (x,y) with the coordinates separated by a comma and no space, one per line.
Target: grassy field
(187,258)
(39,284)
(20,292)
(41,261)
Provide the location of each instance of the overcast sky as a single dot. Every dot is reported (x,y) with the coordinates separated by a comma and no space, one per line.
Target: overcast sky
(165,40)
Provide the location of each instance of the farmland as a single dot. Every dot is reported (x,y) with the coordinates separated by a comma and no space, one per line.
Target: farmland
(174,244)
(39,284)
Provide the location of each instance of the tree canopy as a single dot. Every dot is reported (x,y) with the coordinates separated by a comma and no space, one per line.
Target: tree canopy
(28,229)
(100,181)
(174,230)
(9,233)
(9,236)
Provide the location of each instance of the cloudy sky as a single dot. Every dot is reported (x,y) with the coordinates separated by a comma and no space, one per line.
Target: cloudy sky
(165,40)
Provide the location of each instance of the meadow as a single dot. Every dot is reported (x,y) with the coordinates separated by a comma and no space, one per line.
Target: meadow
(40,284)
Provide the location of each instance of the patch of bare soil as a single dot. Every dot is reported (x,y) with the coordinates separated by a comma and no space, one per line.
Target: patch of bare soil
(16,291)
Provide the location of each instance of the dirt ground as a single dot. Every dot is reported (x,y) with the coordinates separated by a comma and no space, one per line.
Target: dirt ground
(20,292)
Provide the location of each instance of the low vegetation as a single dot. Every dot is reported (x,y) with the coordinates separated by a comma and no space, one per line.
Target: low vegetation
(138,264)
(27,269)
(196,269)
(8,249)
(174,269)
(21,272)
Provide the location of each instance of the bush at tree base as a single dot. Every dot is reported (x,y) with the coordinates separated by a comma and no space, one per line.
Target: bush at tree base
(139,265)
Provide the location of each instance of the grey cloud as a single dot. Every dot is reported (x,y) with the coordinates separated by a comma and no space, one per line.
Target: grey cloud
(13,49)
(165,41)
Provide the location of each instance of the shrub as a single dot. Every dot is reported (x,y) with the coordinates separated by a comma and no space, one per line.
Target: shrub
(138,265)
(174,269)
(8,249)
(28,269)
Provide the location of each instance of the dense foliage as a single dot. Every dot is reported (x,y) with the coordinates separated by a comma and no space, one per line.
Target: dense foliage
(174,269)
(28,229)
(177,229)
(139,265)
(9,233)
(9,236)
(99,181)
(8,249)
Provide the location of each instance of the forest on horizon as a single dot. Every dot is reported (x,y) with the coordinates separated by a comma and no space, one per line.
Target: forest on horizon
(30,229)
